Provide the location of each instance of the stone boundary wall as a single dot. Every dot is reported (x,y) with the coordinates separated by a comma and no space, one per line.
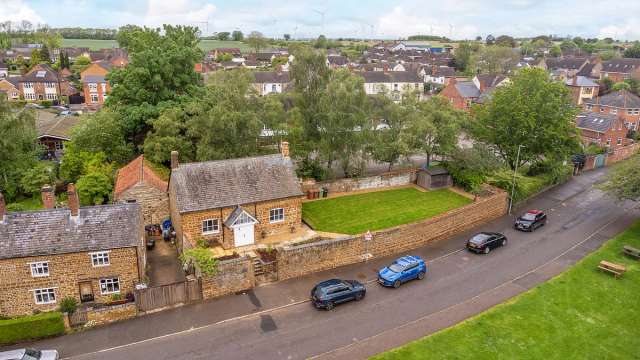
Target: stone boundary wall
(388,179)
(106,315)
(232,276)
(295,261)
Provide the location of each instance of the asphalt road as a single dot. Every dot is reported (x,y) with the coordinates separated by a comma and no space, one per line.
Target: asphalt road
(458,285)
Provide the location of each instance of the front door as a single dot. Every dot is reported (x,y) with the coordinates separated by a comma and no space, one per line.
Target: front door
(86,291)
(243,235)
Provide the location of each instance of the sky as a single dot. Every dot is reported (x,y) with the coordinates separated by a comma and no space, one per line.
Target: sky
(457,19)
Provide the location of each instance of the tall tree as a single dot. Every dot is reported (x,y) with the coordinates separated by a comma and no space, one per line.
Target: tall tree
(506,41)
(533,113)
(496,59)
(237,35)
(160,73)
(434,127)
(17,146)
(223,35)
(633,52)
(256,41)
(388,141)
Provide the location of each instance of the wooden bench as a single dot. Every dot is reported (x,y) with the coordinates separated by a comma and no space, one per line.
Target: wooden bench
(631,252)
(616,269)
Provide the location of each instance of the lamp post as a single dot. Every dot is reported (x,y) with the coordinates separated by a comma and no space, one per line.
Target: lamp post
(513,183)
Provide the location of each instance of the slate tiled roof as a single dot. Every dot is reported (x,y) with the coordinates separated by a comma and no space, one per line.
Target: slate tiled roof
(620,99)
(222,183)
(598,122)
(467,89)
(488,80)
(624,65)
(54,231)
(47,74)
(94,79)
(570,63)
(58,126)
(272,77)
(390,77)
(580,81)
(338,60)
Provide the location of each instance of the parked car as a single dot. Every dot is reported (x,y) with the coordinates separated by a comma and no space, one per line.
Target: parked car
(531,220)
(151,243)
(329,293)
(29,354)
(484,242)
(402,270)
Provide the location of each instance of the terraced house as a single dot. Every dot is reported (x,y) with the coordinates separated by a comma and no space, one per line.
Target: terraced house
(42,83)
(622,104)
(621,69)
(88,253)
(234,203)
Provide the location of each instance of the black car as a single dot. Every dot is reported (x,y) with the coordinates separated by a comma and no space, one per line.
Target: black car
(531,220)
(151,243)
(484,242)
(329,293)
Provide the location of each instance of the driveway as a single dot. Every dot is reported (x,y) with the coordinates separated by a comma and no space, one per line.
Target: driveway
(276,321)
(163,264)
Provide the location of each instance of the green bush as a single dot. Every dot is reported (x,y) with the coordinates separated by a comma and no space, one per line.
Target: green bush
(46,103)
(527,186)
(68,305)
(31,327)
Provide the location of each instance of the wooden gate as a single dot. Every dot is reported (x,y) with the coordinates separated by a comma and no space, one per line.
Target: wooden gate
(167,295)
(78,317)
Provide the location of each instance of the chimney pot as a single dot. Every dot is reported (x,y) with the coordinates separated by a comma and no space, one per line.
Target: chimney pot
(284,148)
(74,202)
(48,197)
(174,160)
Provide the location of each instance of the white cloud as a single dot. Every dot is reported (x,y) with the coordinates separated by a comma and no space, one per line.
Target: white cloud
(16,11)
(400,23)
(629,30)
(187,12)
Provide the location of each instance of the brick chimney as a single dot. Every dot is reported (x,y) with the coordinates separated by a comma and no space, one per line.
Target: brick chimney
(48,197)
(284,148)
(575,80)
(174,160)
(74,202)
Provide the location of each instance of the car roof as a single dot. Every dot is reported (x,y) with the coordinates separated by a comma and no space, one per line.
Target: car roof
(12,354)
(330,283)
(536,212)
(407,260)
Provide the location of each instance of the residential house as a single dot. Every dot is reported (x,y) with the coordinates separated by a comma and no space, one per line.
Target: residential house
(9,87)
(235,203)
(54,131)
(43,83)
(337,61)
(601,129)
(139,182)
(392,83)
(486,81)
(621,69)
(90,254)
(440,75)
(623,104)
(582,88)
(567,66)
(95,87)
(271,82)
(461,94)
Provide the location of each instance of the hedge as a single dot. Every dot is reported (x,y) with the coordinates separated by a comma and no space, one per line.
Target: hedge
(31,327)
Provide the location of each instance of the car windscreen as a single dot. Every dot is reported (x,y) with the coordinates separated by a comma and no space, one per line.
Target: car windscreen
(31,354)
(396,268)
(528,217)
(479,239)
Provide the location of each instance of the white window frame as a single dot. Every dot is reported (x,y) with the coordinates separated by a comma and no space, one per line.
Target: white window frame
(614,111)
(39,269)
(619,142)
(93,87)
(213,228)
(103,86)
(276,215)
(94,98)
(104,283)
(49,293)
(98,257)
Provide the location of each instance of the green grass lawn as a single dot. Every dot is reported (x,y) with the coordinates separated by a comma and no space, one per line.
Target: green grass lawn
(581,314)
(355,214)
(205,45)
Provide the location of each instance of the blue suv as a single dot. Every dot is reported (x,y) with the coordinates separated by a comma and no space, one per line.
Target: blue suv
(402,270)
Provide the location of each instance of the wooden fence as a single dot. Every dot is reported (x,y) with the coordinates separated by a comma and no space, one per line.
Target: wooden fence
(168,295)
(78,317)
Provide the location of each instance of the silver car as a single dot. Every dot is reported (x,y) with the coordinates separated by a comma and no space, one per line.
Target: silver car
(29,354)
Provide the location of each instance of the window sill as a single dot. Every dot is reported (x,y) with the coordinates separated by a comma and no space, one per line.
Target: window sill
(211,232)
(276,221)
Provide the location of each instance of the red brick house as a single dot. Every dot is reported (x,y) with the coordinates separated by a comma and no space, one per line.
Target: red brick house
(582,89)
(461,94)
(602,129)
(95,87)
(42,83)
(620,69)
(623,104)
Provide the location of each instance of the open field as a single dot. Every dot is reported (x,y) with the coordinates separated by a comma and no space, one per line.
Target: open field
(355,214)
(581,314)
(206,45)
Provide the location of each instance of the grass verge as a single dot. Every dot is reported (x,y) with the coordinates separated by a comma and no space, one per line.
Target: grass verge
(355,214)
(581,314)
(31,327)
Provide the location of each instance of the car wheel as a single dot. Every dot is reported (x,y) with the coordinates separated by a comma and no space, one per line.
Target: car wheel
(329,305)
(504,242)
(421,275)
(487,249)
(359,296)
(396,284)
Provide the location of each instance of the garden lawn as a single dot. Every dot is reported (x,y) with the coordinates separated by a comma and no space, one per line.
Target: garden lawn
(581,314)
(355,214)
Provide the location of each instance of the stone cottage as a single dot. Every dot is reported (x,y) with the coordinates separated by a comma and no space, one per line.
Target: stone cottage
(138,182)
(88,253)
(236,202)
